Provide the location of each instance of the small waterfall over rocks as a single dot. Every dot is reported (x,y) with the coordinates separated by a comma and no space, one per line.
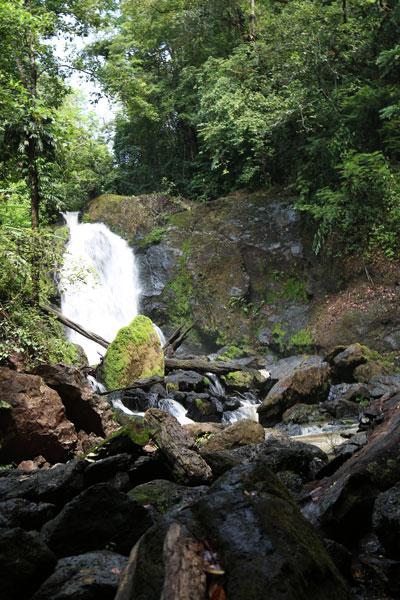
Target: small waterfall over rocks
(99,283)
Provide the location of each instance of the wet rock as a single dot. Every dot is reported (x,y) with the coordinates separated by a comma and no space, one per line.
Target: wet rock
(25,562)
(287,366)
(85,409)
(19,512)
(92,576)
(162,495)
(241,433)
(128,439)
(138,400)
(259,536)
(349,391)
(386,519)
(37,423)
(342,409)
(342,503)
(178,448)
(307,385)
(185,381)
(56,485)
(100,515)
(205,409)
(356,363)
(303,459)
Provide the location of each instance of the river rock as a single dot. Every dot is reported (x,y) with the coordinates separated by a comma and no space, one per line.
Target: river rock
(100,515)
(179,449)
(185,381)
(92,576)
(207,409)
(259,539)
(241,433)
(307,385)
(37,423)
(85,409)
(135,353)
(386,519)
(197,430)
(25,562)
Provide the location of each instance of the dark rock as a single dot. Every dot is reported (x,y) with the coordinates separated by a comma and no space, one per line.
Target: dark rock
(340,556)
(100,515)
(185,381)
(90,576)
(128,439)
(386,519)
(37,423)
(240,433)
(25,562)
(178,448)
(107,468)
(162,495)
(138,400)
(259,536)
(19,512)
(57,485)
(204,409)
(342,409)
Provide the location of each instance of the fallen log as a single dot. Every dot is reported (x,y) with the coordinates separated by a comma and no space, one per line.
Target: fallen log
(219,368)
(75,326)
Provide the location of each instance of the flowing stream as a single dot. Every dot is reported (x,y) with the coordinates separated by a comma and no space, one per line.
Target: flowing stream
(99,283)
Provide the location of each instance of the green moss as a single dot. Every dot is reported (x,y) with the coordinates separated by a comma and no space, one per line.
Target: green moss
(302,339)
(278,332)
(136,430)
(232,352)
(134,353)
(172,387)
(4,405)
(238,379)
(154,237)
(202,406)
(386,473)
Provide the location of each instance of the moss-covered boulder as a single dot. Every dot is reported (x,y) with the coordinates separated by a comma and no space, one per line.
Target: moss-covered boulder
(134,353)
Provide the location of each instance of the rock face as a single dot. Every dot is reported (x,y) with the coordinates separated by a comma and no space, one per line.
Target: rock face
(135,353)
(386,519)
(307,385)
(37,422)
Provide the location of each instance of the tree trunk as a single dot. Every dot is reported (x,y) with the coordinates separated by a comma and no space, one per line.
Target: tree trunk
(252,21)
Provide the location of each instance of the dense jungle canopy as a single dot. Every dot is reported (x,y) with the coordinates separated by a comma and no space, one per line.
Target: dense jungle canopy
(212,97)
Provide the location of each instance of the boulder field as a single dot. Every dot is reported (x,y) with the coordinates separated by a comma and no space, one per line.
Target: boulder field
(143,507)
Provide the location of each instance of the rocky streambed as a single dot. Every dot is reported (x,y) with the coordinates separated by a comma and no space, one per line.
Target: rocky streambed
(101,504)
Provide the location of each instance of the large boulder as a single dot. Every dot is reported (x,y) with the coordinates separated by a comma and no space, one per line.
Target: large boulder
(247,528)
(386,519)
(308,385)
(134,353)
(98,516)
(241,433)
(86,409)
(25,562)
(36,424)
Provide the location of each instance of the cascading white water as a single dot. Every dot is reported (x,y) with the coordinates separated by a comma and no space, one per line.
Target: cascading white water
(99,283)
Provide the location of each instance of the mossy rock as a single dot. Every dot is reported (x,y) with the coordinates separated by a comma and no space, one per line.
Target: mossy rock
(130,438)
(162,495)
(135,353)
(238,380)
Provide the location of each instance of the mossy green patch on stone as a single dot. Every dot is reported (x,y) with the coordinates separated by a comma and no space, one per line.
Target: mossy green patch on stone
(135,353)
(135,431)
(238,379)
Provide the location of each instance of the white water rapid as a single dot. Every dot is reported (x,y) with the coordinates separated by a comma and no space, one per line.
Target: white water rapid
(99,283)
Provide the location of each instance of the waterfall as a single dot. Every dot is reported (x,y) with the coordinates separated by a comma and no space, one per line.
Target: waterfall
(99,283)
